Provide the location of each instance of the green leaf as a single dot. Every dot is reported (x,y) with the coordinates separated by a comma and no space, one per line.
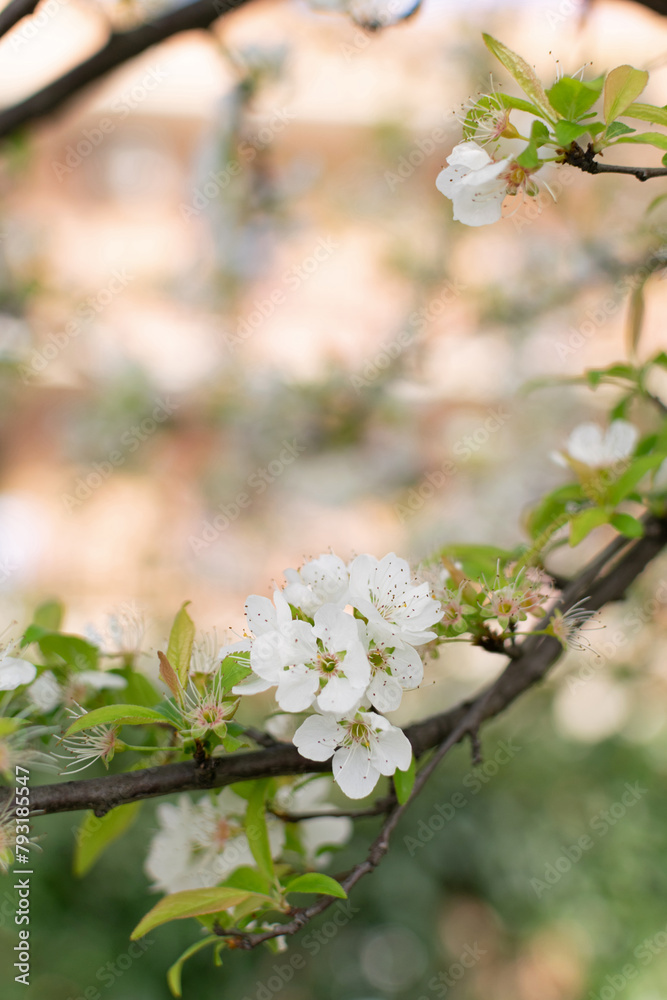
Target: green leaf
(566,132)
(627,525)
(176,970)
(518,103)
(117,715)
(572,98)
(617,128)
(632,476)
(647,113)
(316,882)
(249,879)
(191,903)
(583,523)
(622,86)
(181,639)
(635,320)
(96,834)
(539,134)
(404,781)
(477,560)
(234,671)
(656,139)
(524,76)
(552,507)
(74,650)
(49,615)
(9,725)
(256,830)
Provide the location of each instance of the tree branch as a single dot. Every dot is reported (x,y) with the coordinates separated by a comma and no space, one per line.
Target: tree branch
(120,47)
(15,12)
(585,160)
(605,579)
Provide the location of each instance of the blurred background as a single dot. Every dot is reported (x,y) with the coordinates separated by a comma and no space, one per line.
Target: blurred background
(238,327)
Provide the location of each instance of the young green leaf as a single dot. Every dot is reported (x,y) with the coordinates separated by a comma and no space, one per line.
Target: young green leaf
(233,672)
(168,675)
(627,525)
(256,830)
(622,86)
(524,76)
(49,615)
(647,113)
(567,132)
(583,523)
(572,98)
(191,903)
(181,639)
(96,834)
(317,883)
(404,781)
(117,715)
(627,483)
(657,139)
(249,879)
(635,320)
(176,970)
(615,129)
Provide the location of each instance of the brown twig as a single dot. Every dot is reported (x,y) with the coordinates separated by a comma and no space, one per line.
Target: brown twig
(120,47)
(15,12)
(585,160)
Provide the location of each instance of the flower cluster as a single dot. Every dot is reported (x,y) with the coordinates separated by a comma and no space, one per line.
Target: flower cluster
(199,844)
(342,640)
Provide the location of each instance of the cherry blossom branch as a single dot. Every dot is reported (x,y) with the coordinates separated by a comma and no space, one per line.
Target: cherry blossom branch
(585,160)
(540,654)
(120,47)
(605,579)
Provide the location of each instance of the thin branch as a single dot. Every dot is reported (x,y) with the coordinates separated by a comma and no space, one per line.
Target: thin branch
(378,808)
(585,160)
(15,12)
(120,47)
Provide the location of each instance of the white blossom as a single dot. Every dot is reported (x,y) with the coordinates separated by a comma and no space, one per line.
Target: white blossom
(592,446)
(14,671)
(319,581)
(395,667)
(199,844)
(383,591)
(363,748)
(324,663)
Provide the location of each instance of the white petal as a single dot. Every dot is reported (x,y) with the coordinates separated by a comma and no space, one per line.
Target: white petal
(385,692)
(620,440)
(475,207)
(585,444)
(253,686)
(318,737)
(470,155)
(14,672)
(260,614)
(297,688)
(339,696)
(392,750)
(407,666)
(354,772)
(490,172)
